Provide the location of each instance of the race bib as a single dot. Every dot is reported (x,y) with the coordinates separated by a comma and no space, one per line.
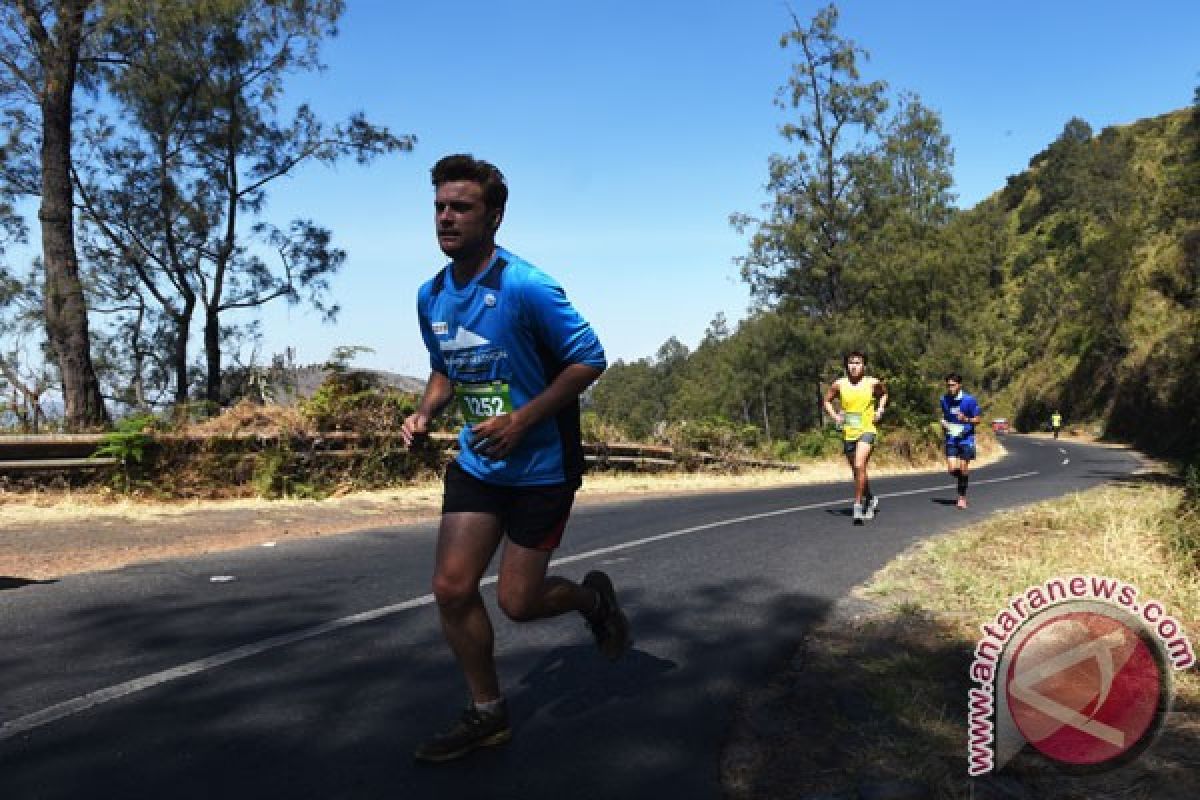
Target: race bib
(481,401)
(853,419)
(955,428)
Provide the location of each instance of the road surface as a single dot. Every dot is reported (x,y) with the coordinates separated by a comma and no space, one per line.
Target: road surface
(313,668)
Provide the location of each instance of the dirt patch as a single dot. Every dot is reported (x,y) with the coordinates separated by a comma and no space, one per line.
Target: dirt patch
(114,538)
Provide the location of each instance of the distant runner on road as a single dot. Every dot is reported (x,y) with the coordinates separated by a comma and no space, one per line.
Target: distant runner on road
(861,400)
(505,344)
(960,415)
(1056,423)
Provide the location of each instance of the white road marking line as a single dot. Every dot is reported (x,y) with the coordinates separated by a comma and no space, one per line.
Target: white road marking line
(1064,452)
(77,705)
(1066,461)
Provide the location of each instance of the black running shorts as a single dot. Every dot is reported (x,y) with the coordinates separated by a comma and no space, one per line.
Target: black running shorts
(532,516)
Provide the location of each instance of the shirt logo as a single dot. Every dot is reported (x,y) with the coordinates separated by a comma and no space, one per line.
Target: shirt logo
(463,340)
(489,300)
(440,329)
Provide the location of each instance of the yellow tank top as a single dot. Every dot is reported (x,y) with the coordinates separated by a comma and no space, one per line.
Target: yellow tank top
(858,406)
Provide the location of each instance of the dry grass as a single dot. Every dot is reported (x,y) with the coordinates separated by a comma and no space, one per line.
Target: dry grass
(956,582)
(248,416)
(1123,532)
(47,508)
(1120,531)
(887,675)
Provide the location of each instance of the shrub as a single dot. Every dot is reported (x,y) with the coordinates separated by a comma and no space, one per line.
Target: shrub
(351,401)
(129,443)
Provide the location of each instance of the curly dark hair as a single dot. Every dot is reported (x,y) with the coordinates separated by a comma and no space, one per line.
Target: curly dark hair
(462,167)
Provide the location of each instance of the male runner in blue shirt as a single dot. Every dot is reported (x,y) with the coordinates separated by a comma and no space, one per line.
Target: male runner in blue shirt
(960,415)
(508,347)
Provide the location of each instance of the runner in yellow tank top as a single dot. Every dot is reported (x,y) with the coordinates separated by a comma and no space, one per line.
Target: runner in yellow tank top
(862,400)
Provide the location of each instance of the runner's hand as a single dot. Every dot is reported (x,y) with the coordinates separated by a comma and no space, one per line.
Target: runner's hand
(839,418)
(498,436)
(879,415)
(416,424)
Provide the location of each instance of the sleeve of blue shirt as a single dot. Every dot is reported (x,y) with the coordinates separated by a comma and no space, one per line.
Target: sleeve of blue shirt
(558,326)
(436,362)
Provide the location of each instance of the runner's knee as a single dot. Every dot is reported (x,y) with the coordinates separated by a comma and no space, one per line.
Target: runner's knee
(518,606)
(452,592)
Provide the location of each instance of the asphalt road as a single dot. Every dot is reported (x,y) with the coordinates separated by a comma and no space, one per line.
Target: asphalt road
(318,665)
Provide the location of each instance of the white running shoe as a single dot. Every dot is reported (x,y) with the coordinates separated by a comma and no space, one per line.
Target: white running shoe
(872,505)
(858,514)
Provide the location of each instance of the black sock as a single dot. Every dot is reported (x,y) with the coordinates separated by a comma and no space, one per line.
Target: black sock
(962,484)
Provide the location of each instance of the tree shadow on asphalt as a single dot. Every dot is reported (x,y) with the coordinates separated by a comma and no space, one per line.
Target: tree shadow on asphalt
(873,704)
(9,582)
(338,715)
(1148,479)
(571,681)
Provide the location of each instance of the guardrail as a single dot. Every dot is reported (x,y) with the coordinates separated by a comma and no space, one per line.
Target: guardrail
(74,452)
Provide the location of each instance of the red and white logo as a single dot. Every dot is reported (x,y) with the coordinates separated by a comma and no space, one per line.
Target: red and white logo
(1084,687)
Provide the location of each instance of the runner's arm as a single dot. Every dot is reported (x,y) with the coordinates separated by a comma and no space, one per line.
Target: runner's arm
(976,414)
(498,436)
(569,384)
(830,396)
(881,396)
(439,391)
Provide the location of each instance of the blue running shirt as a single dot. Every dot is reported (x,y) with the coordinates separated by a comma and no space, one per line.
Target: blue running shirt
(502,339)
(969,407)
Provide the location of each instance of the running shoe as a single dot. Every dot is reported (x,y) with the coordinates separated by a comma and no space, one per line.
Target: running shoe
(871,506)
(608,624)
(474,729)
(858,514)
(962,501)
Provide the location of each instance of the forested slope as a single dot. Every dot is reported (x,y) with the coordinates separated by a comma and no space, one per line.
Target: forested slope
(1073,287)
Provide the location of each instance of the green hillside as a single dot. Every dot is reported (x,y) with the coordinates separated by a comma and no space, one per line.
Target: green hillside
(1074,287)
(1096,310)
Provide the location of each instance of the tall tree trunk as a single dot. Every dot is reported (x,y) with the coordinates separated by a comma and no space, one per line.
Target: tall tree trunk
(179,352)
(65,307)
(212,355)
(762,393)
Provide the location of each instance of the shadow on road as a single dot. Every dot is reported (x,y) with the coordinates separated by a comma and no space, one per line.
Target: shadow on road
(7,582)
(338,716)
(1145,479)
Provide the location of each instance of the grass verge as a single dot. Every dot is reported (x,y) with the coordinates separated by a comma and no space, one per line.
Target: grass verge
(886,677)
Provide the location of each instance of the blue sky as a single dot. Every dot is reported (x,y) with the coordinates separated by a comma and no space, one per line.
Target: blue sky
(629,131)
